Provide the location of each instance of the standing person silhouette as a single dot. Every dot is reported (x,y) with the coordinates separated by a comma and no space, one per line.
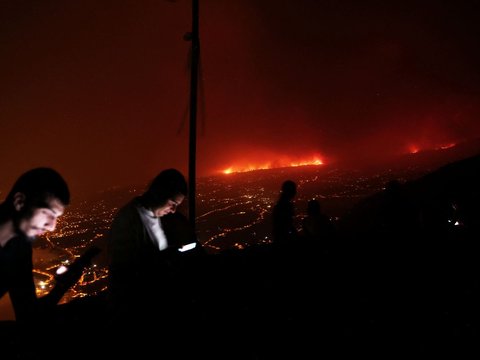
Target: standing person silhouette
(316,225)
(284,230)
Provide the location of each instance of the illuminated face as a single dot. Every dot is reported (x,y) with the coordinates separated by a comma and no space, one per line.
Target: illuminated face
(169,207)
(42,219)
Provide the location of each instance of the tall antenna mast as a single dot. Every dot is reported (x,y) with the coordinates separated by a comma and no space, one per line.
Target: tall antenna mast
(195,54)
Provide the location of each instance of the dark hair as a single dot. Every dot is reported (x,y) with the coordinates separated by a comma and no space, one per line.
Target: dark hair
(38,185)
(313,207)
(166,185)
(289,189)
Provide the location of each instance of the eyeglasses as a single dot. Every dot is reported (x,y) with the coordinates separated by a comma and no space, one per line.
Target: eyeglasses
(172,204)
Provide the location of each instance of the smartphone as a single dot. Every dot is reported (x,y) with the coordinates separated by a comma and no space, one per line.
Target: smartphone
(61,269)
(187,247)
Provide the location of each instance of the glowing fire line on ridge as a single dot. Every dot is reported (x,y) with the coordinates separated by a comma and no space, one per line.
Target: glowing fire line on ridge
(270,165)
(414,149)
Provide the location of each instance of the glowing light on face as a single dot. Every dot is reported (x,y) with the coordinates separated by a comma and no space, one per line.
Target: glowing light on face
(43,219)
(169,207)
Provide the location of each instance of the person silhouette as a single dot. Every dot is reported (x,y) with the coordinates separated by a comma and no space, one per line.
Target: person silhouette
(316,225)
(398,214)
(284,230)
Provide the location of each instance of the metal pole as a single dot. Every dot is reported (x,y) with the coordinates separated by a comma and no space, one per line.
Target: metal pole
(193,114)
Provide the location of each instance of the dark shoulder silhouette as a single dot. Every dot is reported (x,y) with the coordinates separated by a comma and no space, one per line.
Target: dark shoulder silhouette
(316,225)
(284,228)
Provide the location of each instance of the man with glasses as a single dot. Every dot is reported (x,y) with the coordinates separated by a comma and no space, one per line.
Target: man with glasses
(140,268)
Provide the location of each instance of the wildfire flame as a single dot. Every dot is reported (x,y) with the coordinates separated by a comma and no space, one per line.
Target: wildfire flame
(272,165)
(446,146)
(413,149)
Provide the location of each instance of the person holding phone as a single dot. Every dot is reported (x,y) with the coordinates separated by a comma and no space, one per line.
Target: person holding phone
(32,207)
(141,256)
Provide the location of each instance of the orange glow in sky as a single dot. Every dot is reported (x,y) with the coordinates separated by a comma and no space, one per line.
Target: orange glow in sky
(446,146)
(413,149)
(239,168)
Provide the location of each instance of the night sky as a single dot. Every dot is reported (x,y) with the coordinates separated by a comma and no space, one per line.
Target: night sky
(99,89)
